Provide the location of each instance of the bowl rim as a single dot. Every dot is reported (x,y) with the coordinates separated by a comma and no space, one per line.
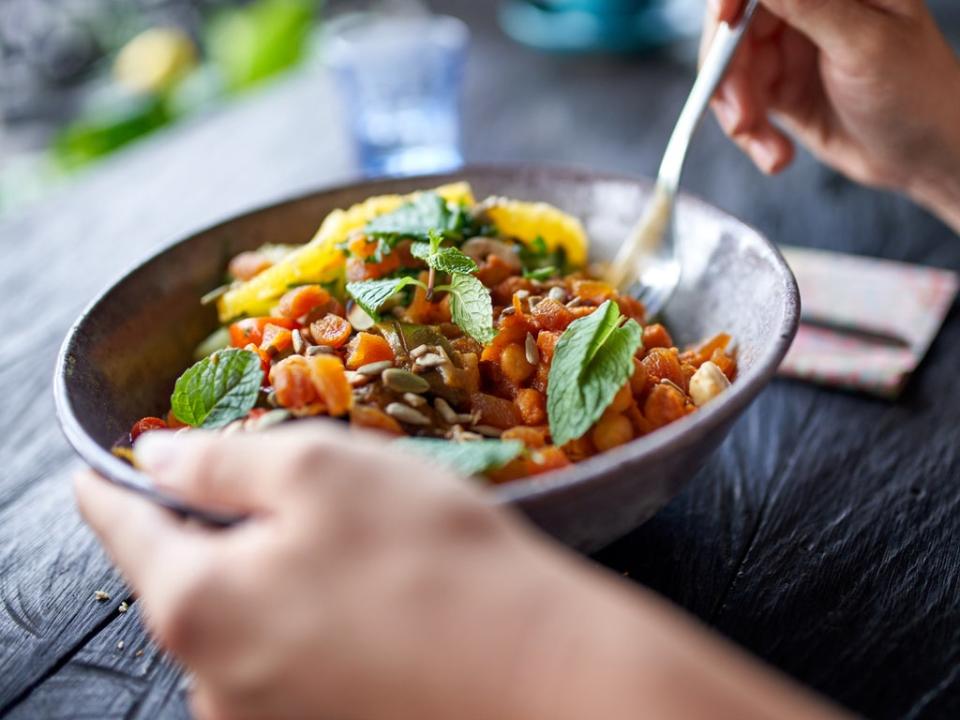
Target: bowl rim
(572,480)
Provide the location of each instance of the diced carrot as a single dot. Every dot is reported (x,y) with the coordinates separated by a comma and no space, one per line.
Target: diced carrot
(247,265)
(705,351)
(593,291)
(726,363)
(146,425)
(546,459)
(503,293)
(173,422)
(276,340)
(330,330)
(250,330)
(494,271)
(656,335)
(546,344)
(373,418)
(664,364)
(513,329)
(532,406)
(549,314)
(428,312)
(638,381)
(302,300)
(632,308)
(366,348)
(293,382)
(494,411)
(541,379)
(359,264)
(663,405)
(579,449)
(532,437)
(331,384)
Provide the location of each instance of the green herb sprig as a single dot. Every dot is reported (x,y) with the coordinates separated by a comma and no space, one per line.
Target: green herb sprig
(218,389)
(471,306)
(592,361)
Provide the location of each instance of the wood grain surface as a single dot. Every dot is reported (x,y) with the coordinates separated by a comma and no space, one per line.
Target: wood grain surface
(822,536)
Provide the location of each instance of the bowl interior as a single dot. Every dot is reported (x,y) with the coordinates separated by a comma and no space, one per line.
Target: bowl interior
(124,354)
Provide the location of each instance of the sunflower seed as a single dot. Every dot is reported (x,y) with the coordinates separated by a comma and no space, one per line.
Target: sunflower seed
(430,360)
(315,350)
(356,379)
(374,368)
(531,350)
(558,294)
(469,418)
(101,595)
(414,400)
(420,350)
(297,342)
(404,381)
(272,399)
(522,294)
(446,412)
(576,302)
(509,310)
(405,413)
(487,430)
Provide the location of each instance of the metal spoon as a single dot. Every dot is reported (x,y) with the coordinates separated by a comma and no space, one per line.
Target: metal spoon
(647,264)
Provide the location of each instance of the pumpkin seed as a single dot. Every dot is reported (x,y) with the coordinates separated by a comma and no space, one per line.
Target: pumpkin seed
(531,350)
(446,412)
(430,360)
(297,342)
(356,379)
(315,350)
(420,350)
(374,368)
(414,400)
(487,430)
(405,413)
(404,381)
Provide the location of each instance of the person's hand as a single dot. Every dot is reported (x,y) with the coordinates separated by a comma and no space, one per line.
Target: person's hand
(365,584)
(871,87)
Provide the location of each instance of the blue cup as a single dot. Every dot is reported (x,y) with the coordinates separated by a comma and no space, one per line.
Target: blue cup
(400,79)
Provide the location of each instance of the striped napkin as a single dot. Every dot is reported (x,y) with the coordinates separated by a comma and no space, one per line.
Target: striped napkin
(866,324)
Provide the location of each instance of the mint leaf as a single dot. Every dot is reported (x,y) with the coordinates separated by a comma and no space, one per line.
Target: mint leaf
(444,259)
(372,294)
(467,458)
(415,219)
(451,260)
(471,307)
(592,361)
(540,273)
(218,389)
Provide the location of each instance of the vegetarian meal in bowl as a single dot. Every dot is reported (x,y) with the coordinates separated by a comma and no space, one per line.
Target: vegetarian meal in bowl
(130,353)
(474,330)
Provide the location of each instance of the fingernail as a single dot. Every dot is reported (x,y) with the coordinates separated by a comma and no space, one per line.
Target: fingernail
(155,450)
(763,155)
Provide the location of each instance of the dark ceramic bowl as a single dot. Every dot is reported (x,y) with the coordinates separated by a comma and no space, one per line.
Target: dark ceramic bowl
(121,358)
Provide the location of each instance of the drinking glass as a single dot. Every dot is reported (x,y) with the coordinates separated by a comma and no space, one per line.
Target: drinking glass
(400,79)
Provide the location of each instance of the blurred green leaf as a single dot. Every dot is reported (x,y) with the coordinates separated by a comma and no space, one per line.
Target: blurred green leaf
(252,43)
(105,128)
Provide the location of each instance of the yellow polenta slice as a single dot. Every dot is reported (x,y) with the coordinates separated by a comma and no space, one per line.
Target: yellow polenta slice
(320,260)
(525,221)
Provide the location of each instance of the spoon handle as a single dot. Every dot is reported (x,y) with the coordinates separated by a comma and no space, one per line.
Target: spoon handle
(721,52)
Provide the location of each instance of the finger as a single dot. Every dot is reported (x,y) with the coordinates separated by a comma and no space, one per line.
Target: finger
(210,471)
(726,10)
(768,147)
(843,28)
(138,535)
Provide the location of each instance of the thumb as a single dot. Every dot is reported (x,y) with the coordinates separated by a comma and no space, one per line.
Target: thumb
(207,470)
(841,28)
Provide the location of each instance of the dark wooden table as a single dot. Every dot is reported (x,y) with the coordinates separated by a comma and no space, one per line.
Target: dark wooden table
(822,537)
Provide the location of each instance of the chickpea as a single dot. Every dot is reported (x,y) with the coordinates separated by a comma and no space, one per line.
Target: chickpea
(610,431)
(514,364)
(621,401)
(706,383)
